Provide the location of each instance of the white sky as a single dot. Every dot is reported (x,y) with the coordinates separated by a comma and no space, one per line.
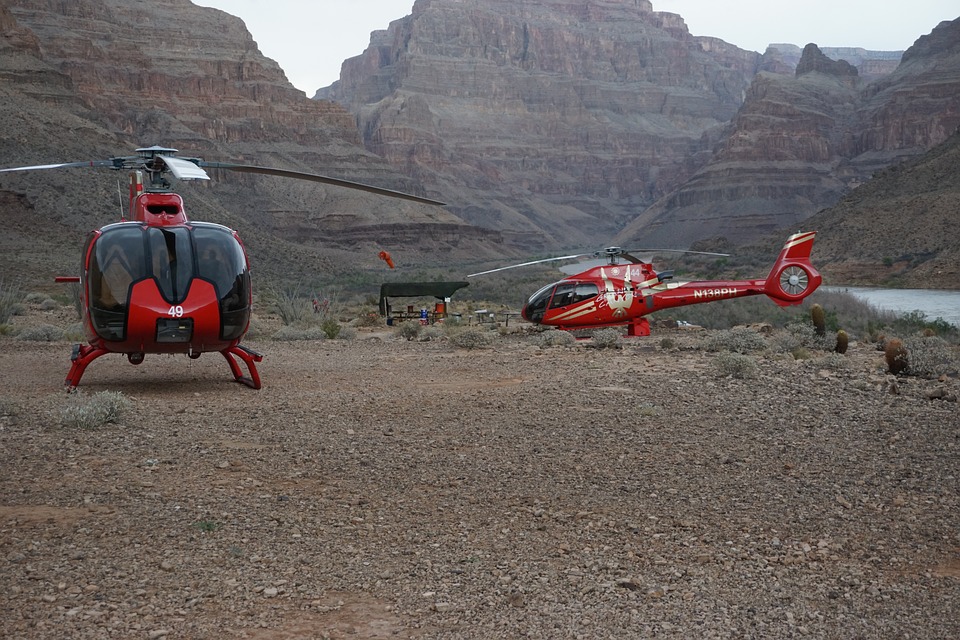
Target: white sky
(311,38)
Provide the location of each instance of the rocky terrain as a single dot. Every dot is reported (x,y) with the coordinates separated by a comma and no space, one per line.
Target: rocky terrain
(384,488)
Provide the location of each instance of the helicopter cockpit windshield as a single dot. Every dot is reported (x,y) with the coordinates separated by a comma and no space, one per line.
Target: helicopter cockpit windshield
(173,256)
(559,294)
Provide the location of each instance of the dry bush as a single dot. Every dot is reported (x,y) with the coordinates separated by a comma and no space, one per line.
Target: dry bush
(556,338)
(93,412)
(736,340)
(607,339)
(735,365)
(471,339)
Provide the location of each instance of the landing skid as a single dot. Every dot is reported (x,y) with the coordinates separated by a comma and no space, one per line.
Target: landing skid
(249,357)
(84,354)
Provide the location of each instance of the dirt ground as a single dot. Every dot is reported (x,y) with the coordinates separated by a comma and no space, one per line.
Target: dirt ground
(384,488)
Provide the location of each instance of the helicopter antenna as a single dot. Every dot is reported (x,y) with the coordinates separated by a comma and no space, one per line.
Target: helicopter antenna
(123,215)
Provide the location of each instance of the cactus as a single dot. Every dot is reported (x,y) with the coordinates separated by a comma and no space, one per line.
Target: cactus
(896,356)
(842,341)
(819,319)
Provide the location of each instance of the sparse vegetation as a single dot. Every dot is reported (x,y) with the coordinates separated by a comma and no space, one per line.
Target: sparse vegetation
(556,338)
(471,338)
(11,300)
(930,356)
(289,333)
(610,338)
(735,365)
(409,330)
(736,340)
(95,411)
(41,333)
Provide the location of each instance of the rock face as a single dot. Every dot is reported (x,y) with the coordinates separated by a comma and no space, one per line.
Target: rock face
(115,75)
(556,121)
(784,58)
(799,144)
(898,229)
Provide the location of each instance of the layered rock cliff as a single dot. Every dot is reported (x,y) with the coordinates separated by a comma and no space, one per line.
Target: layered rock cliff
(96,78)
(800,143)
(555,122)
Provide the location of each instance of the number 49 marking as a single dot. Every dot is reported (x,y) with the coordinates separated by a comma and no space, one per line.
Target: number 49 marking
(175,311)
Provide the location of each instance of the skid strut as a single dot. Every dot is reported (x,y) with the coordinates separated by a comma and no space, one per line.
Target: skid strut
(82,356)
(250,357)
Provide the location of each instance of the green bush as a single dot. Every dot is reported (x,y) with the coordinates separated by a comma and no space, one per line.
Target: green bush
(99,409)
(331,328)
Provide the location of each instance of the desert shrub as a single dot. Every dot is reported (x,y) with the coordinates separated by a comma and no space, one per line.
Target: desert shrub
(347,333)
(11,301)
(607,339)
(556,338)
(929,356)
(916,322)
(49,305)
(610,338)
(433,332)
(737,340)
(410,330)
(735,365)
(99,409)
(330,327)
(471,339)
(799,335)
(368,319)
(291,306)
(667,344)
(833,361)
(41,333)
(289,333)
(895,353)
(36,298)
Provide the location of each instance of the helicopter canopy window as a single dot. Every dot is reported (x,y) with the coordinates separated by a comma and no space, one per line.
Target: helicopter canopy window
(115,264)
(221,261)
(171,260)
(568,293)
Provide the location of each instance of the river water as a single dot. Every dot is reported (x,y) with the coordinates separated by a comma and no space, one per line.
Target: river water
(935,303)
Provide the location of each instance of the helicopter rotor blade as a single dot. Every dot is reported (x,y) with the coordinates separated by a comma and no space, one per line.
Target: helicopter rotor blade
(313,177)
(702,253)
(527,264)
(85,163)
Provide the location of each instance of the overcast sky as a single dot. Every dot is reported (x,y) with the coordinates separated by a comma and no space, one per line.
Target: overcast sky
(310,39)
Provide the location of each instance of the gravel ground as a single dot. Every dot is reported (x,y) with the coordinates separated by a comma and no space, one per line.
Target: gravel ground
(380,488)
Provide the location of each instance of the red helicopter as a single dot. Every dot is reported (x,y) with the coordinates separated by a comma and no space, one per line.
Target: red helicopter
(162,284)
(626,289)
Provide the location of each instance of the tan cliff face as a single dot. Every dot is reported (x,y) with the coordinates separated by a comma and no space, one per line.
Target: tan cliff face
(557,119)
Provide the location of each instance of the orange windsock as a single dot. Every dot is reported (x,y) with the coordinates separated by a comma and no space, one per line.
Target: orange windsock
(386,258)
